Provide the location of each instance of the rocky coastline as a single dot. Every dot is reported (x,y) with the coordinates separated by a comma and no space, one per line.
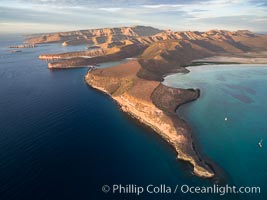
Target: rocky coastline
(136,85)
(154,112)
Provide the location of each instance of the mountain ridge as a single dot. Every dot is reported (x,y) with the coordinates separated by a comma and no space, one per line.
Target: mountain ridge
(136,85)
(160,52)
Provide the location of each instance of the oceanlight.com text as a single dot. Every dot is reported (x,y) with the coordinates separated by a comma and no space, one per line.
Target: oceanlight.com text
(221,190)
(182,189)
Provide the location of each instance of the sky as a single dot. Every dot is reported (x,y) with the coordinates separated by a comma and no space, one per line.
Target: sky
(35,16)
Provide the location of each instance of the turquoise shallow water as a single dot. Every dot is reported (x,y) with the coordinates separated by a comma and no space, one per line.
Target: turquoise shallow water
(60,139)
(238,93)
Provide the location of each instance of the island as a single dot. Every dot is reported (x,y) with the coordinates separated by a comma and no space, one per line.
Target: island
(22,46)
(136,85)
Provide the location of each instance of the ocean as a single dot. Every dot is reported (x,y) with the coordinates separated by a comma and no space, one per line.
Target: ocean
(61,139)
(229,118)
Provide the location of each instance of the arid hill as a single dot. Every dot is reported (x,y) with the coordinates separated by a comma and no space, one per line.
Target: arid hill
(172,50)
(135,85)
(159,52)
(94,36)
(152,104)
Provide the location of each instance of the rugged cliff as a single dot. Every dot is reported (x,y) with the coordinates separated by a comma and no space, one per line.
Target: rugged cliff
(152,104)
(159,52)
(93,36)
(136,86)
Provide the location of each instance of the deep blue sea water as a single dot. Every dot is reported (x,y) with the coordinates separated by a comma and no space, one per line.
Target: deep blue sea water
(61,139)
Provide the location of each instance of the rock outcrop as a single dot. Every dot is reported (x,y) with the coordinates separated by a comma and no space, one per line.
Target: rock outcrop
(159,52)
(152,104)
(93,36)
(136,86)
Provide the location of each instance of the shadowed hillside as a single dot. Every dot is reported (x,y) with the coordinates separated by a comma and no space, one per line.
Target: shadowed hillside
(159,52)
(136,86)
(94,36)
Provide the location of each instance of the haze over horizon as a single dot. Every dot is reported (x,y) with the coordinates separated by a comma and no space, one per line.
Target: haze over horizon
(35,16)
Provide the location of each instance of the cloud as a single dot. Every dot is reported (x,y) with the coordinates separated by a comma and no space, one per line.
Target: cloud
(110,9)
(250,22)
(259,3)
(178,14)
(106,3)
(162,6)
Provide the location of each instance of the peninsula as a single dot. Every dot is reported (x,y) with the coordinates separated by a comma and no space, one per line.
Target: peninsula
(136,85)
